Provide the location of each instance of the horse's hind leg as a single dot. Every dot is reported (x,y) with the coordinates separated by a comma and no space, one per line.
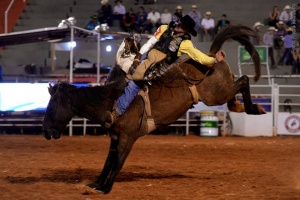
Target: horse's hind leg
(107,166)
(118,153)
(124,147)
(242,85)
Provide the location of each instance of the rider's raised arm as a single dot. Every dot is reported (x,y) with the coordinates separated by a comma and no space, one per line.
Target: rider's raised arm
(148,45)
(152,41)
(187,47)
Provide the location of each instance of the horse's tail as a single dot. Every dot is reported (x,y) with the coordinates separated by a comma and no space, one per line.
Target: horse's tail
(242,35)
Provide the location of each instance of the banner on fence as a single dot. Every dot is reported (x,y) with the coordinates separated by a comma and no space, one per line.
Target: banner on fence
(288,123)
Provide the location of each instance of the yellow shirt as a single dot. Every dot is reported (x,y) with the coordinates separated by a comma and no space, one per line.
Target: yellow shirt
(187,47)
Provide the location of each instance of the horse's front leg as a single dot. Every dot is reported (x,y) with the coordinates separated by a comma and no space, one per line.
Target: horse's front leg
(111,157)
(242,85)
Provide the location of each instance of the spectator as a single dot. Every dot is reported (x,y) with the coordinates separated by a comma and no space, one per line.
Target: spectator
(298,17)
(196,16)
(105,13)
(257,39)
(153,20)
(286,15)
(141,20)
(128,23)
(222,23)
(279,35)
(177,14)
(119,11)
(207,26)
(92,23)
(296,61)
(268,40)
(286,59)
(274,17)
(166,16)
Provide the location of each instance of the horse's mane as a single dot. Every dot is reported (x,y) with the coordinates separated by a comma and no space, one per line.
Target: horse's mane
(95,96)
(242,35)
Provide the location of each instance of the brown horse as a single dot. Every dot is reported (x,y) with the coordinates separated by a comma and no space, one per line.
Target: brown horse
(169,95)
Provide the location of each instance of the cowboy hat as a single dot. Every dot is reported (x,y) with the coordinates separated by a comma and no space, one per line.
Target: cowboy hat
(271,28)
(257,24)
(289,29)
(287,7)
(281,22)
(194,6)
(189,24)
(178,8)
(104,2)
(94,17)
(208,13)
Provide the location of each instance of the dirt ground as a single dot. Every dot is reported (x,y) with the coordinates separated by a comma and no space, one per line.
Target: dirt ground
(159,167)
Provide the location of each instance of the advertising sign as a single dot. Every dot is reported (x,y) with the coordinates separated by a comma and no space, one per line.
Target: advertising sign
(244,56)
(288,123)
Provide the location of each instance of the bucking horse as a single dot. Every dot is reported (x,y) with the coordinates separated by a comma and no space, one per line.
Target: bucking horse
(170,95)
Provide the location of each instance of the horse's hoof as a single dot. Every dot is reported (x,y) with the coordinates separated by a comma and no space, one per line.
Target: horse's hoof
(87,190)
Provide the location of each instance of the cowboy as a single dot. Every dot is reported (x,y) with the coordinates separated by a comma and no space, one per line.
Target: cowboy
(169,42)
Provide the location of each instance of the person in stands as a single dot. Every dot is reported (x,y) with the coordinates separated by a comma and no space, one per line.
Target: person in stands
(92,23)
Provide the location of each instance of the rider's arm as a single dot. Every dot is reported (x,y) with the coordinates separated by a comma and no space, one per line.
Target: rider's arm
(148,45)
(186,47)
(152,41)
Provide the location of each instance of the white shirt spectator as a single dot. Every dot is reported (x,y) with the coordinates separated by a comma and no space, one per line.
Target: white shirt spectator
(208,23)
(153,16)
(119,9)
(165,17)
(286,16)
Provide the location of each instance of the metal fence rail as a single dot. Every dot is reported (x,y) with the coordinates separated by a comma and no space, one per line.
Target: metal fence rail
(276,95)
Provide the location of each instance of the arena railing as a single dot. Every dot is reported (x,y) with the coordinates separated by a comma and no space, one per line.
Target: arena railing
(277,95)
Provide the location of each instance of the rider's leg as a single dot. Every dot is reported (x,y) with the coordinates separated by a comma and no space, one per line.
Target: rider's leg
(128,95)
(153,57)
(123,101)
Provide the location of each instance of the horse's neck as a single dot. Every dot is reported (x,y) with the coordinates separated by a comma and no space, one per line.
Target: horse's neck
(94,114)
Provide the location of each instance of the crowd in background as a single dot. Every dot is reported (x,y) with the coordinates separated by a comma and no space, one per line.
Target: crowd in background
(278,36)
(147,21)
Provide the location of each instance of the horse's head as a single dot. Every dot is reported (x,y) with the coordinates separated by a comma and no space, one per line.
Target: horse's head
(59,111)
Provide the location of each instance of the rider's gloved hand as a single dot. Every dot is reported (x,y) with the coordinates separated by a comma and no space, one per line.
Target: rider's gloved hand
(136,60)
(220,55)
(135,63)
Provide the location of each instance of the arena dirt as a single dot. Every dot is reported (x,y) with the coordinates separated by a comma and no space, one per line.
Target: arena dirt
(159,167)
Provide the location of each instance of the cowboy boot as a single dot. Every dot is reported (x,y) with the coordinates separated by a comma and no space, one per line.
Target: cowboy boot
(110,118)
(135,64)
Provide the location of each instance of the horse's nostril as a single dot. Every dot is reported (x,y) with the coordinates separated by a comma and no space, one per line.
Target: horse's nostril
(46,135)
(56,136)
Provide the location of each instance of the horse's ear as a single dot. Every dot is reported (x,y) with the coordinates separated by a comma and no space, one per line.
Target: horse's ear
(50,89)
(137,37)
(131,34)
